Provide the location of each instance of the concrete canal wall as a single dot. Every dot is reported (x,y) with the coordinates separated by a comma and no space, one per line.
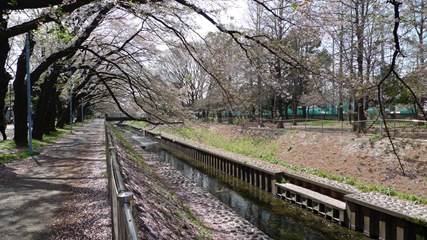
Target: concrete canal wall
(262,176)
(376,215)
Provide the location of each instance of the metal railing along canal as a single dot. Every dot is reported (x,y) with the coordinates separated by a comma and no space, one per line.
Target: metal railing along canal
(121,199)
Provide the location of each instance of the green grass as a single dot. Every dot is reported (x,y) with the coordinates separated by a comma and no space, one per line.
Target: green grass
(50,138)
(325,123)
(19,152)
(129,148)
(376,136)
(6,145)
(257,147)
(139,124)
(266,149)
(10,157)
(205,233)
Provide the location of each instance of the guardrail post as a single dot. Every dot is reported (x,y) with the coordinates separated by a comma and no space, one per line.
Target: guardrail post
(112,191)
(123,224)
(110,151)
(124,203)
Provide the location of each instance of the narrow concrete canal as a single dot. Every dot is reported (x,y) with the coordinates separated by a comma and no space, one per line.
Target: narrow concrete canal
(275,217)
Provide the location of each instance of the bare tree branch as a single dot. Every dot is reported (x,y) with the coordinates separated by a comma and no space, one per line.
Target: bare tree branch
(396,4)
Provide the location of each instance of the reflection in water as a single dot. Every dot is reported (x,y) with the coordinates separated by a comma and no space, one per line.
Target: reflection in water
(276,218)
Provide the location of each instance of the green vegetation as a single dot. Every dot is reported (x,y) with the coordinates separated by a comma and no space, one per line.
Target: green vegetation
(257,147)
(139,124)
(4,145)
(129,149)
(375,137)
(324,123)
(283,180)
(49,138)
(267,149)
(12,2)
(419,220)
(205,233)
(16,152)
(62,32)
(10,157)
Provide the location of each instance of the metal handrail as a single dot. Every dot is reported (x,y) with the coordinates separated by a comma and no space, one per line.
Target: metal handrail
(124,227)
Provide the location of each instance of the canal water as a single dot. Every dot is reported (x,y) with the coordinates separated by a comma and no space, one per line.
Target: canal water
(275,217)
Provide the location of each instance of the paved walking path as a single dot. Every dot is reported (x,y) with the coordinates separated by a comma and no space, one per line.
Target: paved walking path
(59,194)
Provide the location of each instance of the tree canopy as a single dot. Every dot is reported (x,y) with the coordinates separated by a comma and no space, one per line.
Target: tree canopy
(152,60)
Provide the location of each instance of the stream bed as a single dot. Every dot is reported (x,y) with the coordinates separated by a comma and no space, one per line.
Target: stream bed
(275,217)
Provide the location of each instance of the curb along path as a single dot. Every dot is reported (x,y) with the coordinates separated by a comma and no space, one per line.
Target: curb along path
(61,193)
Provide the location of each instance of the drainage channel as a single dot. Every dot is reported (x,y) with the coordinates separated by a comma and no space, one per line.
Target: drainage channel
(273,216)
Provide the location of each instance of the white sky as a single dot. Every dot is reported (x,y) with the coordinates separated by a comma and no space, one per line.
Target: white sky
(235,15)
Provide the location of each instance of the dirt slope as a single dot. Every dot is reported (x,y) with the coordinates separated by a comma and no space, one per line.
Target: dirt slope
(364,158)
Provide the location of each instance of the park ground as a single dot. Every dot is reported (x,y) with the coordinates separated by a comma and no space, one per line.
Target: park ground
(367,161)
(61,193)
(365,158)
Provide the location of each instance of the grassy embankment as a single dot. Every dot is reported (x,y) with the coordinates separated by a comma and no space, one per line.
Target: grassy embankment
(156,186)
(266,149)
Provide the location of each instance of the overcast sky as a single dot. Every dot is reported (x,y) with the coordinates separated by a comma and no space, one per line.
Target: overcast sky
(234,14)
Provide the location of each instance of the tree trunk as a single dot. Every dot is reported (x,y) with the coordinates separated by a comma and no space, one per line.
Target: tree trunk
(4,75)
(65,114)
(79,113)
(61,114)
(340,110)
(350,110)
(20,110)
(44,103)
(219,116)
(230,117)
(273,108)
(64,117)
(304,112)
(52,113)
(4,84)
(280,108)
(341,77)
(360,113)
(252,117)
(294,110)
(20,107)
(286,110)
(260,123)
(360,28)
